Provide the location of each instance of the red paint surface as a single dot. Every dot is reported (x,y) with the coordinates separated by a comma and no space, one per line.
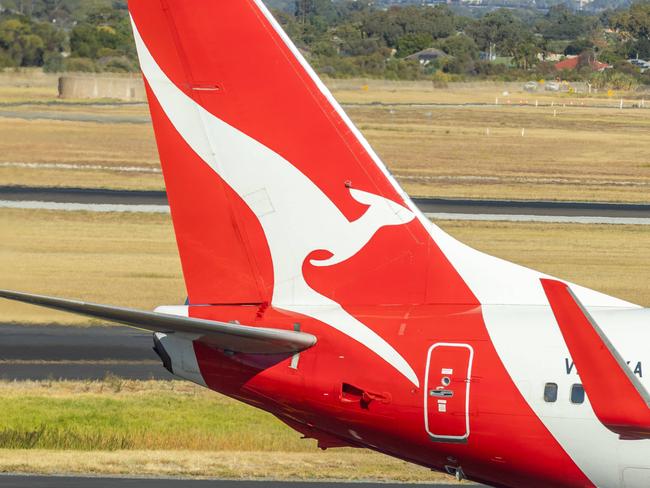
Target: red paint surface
(614,398)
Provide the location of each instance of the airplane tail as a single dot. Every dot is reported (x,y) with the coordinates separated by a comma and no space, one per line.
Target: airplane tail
(271,186)
(275,195)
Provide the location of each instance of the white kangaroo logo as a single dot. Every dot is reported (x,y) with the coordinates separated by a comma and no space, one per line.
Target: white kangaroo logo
(296,216)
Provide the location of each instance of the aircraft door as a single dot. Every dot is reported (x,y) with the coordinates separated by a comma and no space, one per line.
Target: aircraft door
(447,392)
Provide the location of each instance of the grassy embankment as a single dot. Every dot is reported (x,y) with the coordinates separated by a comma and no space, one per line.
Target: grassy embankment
(166,428)
(581,153)
(131,259)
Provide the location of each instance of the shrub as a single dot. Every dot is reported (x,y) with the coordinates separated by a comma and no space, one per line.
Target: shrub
(53,63)
(80,65)
(117,65)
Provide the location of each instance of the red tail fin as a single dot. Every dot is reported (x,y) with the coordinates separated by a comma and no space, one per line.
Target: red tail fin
(271,186)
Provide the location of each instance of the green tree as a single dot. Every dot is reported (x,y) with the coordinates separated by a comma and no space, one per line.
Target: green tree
(352,41)
(562,23)
(502,31)
(25,42)
(105,34)
(412,43)
(463,52)
(636,22)
(438,22)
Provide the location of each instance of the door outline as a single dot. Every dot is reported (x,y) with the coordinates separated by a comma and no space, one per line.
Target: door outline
(448,438)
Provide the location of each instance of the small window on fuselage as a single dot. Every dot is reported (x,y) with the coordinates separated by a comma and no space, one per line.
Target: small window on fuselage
(550,393)
(577,394)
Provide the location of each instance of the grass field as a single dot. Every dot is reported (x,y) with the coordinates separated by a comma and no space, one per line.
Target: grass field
(119,414)
(567,152)
(131,259)
(167,428)
(419,92)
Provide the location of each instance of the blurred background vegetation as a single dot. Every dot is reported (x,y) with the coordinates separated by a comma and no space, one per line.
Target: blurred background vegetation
(347,38)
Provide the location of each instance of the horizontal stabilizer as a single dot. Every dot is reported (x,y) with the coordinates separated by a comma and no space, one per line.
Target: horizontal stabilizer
(232,337)
(618,398)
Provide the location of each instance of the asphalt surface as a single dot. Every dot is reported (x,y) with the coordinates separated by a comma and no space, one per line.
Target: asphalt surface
(9,481)
(82,195)
(76,117)
(427,205)
(77,353)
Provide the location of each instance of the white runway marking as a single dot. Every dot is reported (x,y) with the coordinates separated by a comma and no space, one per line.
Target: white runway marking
(551,219)
(521,179)
(84,207)
(85,167)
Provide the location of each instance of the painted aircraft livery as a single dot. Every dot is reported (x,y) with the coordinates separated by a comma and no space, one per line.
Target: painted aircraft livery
(318,292)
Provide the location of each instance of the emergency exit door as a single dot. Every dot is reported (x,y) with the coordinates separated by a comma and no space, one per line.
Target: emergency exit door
(447,392)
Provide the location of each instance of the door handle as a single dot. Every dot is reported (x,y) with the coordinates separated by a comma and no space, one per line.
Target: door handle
(441,393)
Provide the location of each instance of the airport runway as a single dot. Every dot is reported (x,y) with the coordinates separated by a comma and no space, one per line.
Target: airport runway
(77,353)
(13,481)
(435,208)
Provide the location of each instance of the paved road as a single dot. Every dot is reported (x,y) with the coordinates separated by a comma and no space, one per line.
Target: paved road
(9,481)
(25,111)
(77,353)
(82,195)
(75,117)
(427,205)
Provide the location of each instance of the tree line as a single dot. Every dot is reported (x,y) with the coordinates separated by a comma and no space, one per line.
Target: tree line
(347,38)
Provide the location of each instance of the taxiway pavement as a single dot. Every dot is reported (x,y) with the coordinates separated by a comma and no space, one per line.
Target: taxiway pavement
(77,353)
(436,208)
(13,481)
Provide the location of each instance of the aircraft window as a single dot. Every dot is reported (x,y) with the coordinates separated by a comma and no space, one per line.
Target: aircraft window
(577,394)
(550,392)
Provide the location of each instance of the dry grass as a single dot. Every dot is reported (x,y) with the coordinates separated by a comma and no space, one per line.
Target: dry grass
(131,259)
(331,465)
(81,143)
(128,259)
(20,94)
(423,92)
(580,154)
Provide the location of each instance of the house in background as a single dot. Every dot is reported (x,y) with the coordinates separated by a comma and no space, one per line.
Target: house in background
(427,56)
(576,62)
